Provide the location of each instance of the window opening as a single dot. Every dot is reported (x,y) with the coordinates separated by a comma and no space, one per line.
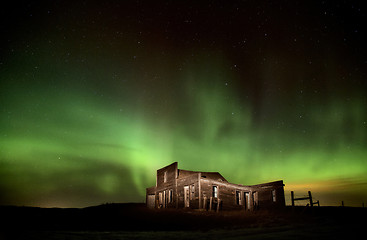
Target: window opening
(274,195)
(215,191)
(192,192)
(170,196)
(238,197)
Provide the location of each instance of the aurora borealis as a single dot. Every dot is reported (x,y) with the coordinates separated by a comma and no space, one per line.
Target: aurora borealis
(96,97)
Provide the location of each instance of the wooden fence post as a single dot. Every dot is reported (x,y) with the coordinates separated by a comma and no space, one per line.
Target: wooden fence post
(305,198)
(310,196)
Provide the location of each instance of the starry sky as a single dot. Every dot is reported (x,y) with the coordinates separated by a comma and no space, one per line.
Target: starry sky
(94,98)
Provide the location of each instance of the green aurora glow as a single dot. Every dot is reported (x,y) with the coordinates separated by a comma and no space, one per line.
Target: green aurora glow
(79,133)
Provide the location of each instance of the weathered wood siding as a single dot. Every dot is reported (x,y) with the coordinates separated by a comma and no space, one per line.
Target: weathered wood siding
(270,195)
(226,194)
(170,171)
(193,183)
(184,173)
(260,196)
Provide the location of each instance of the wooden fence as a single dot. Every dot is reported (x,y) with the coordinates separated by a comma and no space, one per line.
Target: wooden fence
(309,197)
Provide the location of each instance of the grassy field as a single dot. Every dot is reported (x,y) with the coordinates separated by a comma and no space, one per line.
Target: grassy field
(134,221)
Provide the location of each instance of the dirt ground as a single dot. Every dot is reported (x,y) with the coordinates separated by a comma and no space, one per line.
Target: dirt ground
(285,232)
(135,222)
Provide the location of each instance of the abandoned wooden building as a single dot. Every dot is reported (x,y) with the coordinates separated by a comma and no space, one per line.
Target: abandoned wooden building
(177,188)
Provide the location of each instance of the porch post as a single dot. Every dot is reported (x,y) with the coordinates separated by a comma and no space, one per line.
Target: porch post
(199,186)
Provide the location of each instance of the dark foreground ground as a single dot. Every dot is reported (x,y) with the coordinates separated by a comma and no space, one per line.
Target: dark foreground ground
(134,221)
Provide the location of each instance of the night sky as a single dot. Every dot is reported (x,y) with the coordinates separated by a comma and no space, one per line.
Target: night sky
(94,98)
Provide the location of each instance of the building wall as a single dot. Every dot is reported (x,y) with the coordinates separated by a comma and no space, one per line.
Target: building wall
(226,194)
(271,195)
(163,200)
(169,171)
(165,183)
(192,182)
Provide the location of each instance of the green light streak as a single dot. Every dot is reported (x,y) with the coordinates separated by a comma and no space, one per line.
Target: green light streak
(79,137)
